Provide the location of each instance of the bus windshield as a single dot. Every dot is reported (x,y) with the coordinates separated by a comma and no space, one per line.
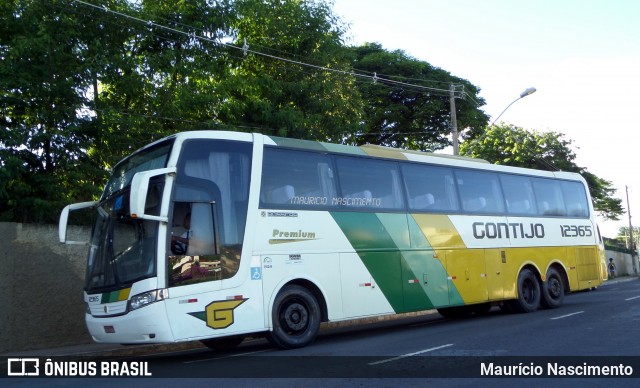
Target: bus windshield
(122,248)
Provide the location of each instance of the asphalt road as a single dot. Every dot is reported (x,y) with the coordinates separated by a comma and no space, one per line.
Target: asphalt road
(596,324)
(593,329)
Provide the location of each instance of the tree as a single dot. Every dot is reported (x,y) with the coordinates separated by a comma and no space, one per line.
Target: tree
(85,84)
(45,127)
(407,103)
(297,97)
(514,146)
(623,235)
(162,78)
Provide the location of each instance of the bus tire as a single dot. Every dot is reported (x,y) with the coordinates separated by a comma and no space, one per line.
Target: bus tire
(296,318)
(528,293)
(224,343)
(552,290)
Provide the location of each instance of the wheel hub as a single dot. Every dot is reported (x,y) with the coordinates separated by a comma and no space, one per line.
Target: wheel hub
(296,316)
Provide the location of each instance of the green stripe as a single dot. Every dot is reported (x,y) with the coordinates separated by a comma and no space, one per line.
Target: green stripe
(317,146)
(365,231)
(202,315)
(297,143)
(396,226)
(377,250)
(400,259)
(110,297)
(344,149)
(115,296)
(440,290)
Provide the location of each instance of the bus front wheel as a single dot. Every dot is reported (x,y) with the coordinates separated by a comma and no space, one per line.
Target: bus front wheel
(552,290)
(528,293)
(296,318)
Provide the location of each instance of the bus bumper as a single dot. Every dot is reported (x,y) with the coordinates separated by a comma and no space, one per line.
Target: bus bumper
(148,324)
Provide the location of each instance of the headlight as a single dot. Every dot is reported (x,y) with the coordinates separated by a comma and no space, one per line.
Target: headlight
(146,298)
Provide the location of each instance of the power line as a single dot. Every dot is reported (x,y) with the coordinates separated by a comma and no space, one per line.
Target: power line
(359,77)
(246,50)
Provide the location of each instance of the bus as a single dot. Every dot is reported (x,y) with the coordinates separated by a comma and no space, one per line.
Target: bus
(213,236)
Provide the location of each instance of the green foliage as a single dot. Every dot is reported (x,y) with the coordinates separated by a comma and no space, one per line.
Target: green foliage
(515,146)
(615,245)
(158,81)
(289,99)
(623,236)
(81,87)
(408,104)
(44,129)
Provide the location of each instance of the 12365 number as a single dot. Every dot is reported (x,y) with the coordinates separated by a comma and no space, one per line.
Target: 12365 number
(576,230)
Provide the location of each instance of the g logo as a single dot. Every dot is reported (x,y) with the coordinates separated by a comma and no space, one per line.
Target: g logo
(220,313)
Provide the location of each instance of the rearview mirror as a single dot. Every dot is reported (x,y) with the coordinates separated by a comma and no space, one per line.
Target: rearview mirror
(139,190)
(64,217)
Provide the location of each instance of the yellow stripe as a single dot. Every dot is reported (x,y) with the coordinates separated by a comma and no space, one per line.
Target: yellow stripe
(124,294)
(383,152)
(439,231)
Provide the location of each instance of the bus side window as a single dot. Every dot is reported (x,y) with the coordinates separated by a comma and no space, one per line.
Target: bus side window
(480,191)
(364,195)
(195,256)
(475,204)
(280,195)
(575,198)
(370,183)
(548,197)
(298,179)
(424,201)
(430,188)
(518,194)
(327,186)
(201,241)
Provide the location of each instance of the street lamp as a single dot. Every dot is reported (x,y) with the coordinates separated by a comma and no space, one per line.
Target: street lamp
(522,95)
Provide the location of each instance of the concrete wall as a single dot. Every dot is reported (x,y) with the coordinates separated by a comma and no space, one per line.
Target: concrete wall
(624,265)
(41,285)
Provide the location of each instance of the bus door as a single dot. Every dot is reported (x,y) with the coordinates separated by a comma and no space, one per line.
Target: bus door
(467,270)
(453,263)
(194,269)
(495,260)
(425,279)
(425,282)
(204,244)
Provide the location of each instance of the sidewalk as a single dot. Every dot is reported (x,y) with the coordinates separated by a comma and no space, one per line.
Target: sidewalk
(116,350)
(620,279)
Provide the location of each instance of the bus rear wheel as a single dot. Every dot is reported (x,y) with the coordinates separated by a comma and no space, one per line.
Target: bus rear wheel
(528,293)
(296,318)
(552,290)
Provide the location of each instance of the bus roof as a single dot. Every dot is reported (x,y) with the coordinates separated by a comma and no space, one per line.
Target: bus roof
(378,151)
(367,149)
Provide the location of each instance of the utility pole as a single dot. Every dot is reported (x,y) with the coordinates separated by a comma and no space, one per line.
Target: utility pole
(454,120)
(631,243)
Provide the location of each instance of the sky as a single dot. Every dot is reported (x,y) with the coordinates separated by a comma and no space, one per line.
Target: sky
(582,56)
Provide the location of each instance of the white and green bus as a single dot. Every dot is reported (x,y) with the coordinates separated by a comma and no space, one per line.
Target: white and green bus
(213,236)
